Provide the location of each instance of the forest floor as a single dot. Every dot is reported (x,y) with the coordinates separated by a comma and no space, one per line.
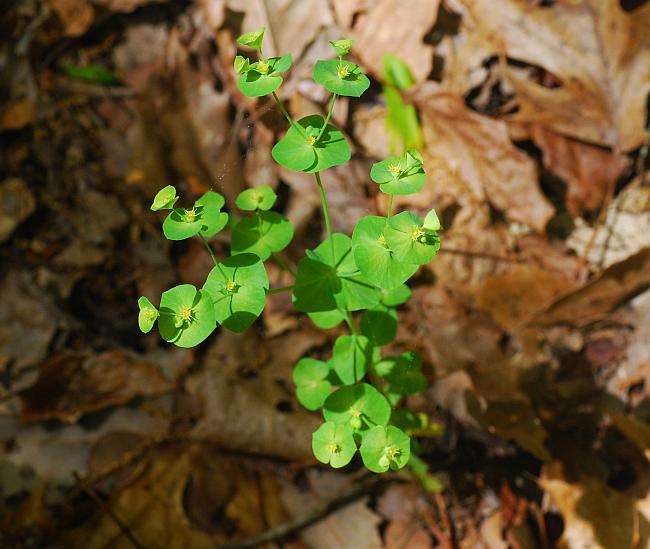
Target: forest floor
(533,321)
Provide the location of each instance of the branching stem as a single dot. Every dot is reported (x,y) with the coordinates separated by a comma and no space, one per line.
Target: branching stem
(283,264)
(329,116)
(390,205)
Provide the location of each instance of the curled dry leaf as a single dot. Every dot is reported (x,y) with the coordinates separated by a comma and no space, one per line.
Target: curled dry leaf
(599,52)
(17,114)
(588,171)
(481,150)
(72,384)
(600,296)
(389,26)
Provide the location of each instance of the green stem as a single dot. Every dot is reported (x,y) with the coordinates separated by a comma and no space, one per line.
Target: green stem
(329,115)
(279,290)
(350,320)
(326,212)
(286,113)
(283,264)
(207,247)
(390,205)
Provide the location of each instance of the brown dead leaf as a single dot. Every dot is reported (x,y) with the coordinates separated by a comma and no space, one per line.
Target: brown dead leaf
(588,171)
(352,527)
(291,25)
(514,296)
(73,384)
(600,296)
(388,26)
(17,114)
(596,516)
(17,203)
(126,6)
(247,403)
(75,15)
(599,52)
(481,150)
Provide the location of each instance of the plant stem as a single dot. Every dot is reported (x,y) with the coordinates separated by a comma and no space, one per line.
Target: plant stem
(329,115)
(207,247)
(286,113)
(272,291)
(326,213)
(350,320)
(283,264)
(390,205)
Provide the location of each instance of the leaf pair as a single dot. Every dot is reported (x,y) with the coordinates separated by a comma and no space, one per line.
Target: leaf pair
(400,174)
(186,316)
(205,218)
(237,286)
(261,77)
(262,234)
(389,251)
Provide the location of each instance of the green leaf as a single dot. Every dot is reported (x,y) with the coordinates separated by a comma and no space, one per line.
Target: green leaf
(299,149)
(263,77)
(403,373)
(212,218)
(241,64)
(373,257)
(341,77)
(186,316)
(325,282)
(333,444)
(399,174)
(258,198)
(407,240)
(358,406)
(181,224)
(396,72)
(431,222)
(379,325)
(351,357)
(238,287)
(326,319)
(164,199)
(385,447)
(341,47)
(147,315)
(312,386)
(252,39)
(92,73)
(395,296)
(261,234)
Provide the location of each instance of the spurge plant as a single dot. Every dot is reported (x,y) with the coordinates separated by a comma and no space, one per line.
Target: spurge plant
(356,280)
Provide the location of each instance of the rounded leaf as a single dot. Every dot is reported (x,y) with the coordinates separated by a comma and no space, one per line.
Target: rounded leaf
(407,240)
(147,315)
(212,218)
(395,296)
(261,234)
(312,386)
(341,77)
(164,199)
(374,258)
(399,175)
(360,406)
(385,448)
(258,198)
(238,287)
(252,39)
(179,224)
(379,325)
(351,357)
(301,150)
(333,444)
(186,316)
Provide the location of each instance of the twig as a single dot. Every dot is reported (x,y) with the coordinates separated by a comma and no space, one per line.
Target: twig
(107,509)
(288,529)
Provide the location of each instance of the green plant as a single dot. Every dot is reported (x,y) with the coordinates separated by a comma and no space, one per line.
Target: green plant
(356,280)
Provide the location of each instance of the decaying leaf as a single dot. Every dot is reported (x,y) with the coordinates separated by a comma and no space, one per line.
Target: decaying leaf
(17,203)
(389,26)
(599,52)
(481,150)
(72,384)
(75,15)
